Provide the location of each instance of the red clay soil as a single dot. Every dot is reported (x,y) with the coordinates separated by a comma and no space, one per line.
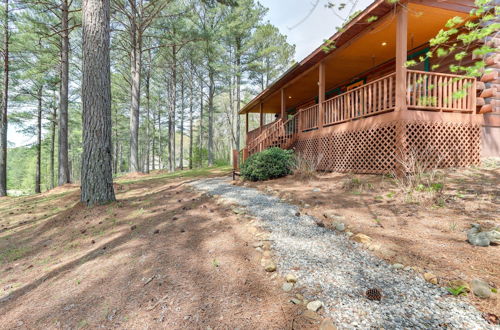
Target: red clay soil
(427,230)
(161,257)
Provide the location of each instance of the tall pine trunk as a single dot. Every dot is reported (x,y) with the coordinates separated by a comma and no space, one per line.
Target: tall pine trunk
(135,71)
(39,142)
(181,147)
(238,92)
(200,145)
(173,103)
(211,93)
(64,170)
(4,105)
(97,173)
(191,122)
(148,113)
(53,127)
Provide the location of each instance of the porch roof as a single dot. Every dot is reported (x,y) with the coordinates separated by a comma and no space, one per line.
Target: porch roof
(361,45)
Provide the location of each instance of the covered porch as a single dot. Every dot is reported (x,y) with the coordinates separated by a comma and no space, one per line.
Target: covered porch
(365,77)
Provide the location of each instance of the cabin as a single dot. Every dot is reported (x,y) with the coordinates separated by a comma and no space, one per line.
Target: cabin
(358,108)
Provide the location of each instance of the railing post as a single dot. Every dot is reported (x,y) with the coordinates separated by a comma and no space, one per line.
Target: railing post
(321,92)
(401,55)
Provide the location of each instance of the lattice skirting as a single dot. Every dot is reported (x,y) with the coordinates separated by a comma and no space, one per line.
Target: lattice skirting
(392,146)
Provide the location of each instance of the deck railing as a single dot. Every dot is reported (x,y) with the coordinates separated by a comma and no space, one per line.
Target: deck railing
(309,118)
(370,99)
(425,91)
(441,92)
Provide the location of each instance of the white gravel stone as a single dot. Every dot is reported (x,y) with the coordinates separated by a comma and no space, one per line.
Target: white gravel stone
(338,272)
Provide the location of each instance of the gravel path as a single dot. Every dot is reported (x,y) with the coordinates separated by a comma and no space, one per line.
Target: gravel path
(343,271)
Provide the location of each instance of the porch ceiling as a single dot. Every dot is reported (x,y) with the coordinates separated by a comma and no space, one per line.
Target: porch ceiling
(375,46)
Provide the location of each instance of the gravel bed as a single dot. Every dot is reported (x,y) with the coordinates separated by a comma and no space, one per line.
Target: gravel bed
(337,271)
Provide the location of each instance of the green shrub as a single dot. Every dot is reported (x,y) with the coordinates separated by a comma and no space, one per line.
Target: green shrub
(268,164)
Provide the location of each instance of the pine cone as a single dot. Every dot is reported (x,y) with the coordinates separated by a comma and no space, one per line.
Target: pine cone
(374,294)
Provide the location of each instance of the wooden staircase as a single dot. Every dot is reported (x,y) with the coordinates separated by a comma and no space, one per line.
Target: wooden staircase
(281,134)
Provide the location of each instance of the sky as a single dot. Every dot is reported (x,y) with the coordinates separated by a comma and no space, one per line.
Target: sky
(304,28)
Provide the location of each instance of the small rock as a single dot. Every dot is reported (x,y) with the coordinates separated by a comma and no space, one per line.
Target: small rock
(431,278)
(270,266)
(291,278)
(314,305)
(316,190)
(297,214)
(397,266)
(157,231)
(311,315)
(327,324)
(340,226)
(133,227)
(287,287)
(361,238)
(307,206)
(348,234)
(299,296)
(407,268)
(295,301)
(481,288)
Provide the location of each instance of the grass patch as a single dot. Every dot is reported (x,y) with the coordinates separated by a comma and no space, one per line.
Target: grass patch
(13,254)
(199,172)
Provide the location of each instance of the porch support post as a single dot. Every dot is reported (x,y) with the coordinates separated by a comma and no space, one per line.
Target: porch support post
(401,55)
(283,104)
(261,119)
(321,92)
(246,122)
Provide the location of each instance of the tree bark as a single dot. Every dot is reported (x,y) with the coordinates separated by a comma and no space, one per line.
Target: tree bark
(64,172)
(39,142)
(181,147)
(200,145)
(238,92)
(4,105)
(211,93)
(135,71)
(191,122)
(53,146)
(148,110)
(97,173)
(173,103)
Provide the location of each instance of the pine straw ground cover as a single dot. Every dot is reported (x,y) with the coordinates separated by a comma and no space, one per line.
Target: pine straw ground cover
(419,224)
(163,256)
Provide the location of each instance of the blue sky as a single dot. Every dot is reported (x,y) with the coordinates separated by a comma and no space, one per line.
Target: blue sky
(294,18)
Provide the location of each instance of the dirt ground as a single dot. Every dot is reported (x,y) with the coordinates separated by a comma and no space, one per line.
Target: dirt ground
(161,257)
(423,227)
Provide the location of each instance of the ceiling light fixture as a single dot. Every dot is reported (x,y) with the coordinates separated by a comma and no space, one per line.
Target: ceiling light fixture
(384,43)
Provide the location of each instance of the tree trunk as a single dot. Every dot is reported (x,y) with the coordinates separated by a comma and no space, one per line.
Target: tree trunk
(53,146)
(97,175)
(200,145)
(39,142)
(4,105)
(191,123)
(181,148)
(148,110)
(64,173)
(135,72)
(171,128)
(238,92)
(211,93)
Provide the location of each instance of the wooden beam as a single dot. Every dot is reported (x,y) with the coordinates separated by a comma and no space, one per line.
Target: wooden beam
(401,55)
(321,92)
(283,104)
(246,122)
(461,6)
(261,119)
